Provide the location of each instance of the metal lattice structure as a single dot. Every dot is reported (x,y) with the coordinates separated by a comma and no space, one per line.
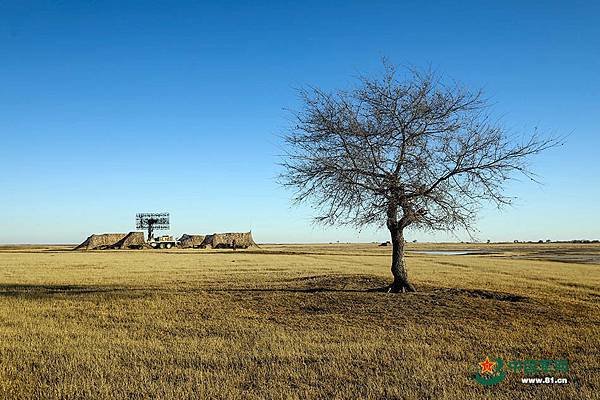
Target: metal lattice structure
(152,222)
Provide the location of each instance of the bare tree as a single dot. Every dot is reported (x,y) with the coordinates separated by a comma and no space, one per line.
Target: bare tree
(415,152)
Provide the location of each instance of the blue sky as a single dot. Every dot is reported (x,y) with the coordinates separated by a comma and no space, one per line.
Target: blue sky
(111,108)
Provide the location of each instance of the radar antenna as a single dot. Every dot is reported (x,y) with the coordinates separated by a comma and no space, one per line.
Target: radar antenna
(152,222)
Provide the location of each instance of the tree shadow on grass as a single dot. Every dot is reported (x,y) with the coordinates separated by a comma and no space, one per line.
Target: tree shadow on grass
(367,284)
(375,284)
(443,292)
(48,290)
(283,290)
(310,285)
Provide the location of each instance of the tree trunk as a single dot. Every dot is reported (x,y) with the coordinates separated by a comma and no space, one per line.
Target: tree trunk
(401,283)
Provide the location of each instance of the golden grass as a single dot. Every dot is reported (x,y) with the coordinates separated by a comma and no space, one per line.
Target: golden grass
(291,322)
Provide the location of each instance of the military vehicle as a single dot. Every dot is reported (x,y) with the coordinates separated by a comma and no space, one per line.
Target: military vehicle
(162,242)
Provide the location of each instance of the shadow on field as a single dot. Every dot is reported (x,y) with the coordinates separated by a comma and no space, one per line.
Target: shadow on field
(288,290)
(40,291)
(366,284)
(443,292)
(481,294)
(307,284)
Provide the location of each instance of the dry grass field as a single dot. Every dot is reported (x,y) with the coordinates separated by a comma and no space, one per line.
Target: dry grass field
(294,321)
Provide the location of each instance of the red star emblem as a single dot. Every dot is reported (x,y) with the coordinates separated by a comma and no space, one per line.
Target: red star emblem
(487,366)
